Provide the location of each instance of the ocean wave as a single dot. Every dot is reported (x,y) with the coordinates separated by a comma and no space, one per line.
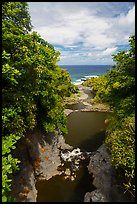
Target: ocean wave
(77,82)
(82,79)
(90,76)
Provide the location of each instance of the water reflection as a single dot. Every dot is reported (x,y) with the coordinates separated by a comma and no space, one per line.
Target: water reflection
(86,131)
(58,189)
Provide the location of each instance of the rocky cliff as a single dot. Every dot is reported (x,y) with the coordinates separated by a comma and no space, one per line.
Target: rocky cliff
(39,155)
(41,158)
(104,179)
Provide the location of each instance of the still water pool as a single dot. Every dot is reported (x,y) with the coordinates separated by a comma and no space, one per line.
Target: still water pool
(59,189)
(86,130)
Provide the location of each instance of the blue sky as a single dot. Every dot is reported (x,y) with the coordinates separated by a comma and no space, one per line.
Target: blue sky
(84,32)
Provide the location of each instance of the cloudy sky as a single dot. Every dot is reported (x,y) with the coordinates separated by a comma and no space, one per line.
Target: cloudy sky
(84,32)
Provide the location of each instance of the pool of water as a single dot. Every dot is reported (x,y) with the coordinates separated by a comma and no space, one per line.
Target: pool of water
(59,189)
(86,130)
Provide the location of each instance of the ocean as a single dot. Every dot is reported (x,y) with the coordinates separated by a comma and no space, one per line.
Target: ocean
(80,73)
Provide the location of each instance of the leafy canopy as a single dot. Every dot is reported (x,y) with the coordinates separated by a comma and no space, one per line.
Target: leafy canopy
(117,88)
(33,85)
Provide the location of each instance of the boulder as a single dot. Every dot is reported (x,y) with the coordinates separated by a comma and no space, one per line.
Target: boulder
(39,154)
(95,196)
(104,179)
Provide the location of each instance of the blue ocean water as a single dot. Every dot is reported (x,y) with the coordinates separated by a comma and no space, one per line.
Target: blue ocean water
(79,73)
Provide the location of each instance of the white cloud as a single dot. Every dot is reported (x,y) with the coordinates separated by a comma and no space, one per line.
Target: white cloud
(58,35)
(95,28)
(99,40)
(129,19)
(109,51)
(122,26)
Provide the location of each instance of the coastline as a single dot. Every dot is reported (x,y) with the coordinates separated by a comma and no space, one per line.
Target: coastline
(81,80)
(83,101)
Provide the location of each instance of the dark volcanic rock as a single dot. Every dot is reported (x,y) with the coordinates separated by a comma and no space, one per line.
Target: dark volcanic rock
(39,154)
(105,181)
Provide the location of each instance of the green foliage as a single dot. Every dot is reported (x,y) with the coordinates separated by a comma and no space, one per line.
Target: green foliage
(117,88)
(9,164)
(121,142)
(33,85)
(125,60)
(16,14)
(100,87)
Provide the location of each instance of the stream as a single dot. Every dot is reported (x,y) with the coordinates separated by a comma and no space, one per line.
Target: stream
(86,132)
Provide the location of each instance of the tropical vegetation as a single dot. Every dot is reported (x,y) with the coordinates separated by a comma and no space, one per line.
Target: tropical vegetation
(33,86)
(117,89)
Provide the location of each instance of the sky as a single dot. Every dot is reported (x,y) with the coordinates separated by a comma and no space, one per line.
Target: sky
(85,33)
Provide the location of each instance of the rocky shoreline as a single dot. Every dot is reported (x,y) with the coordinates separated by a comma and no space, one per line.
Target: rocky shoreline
(43,156)
(83,101)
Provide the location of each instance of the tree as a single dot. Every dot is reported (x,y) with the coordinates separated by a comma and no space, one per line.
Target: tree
(15,14)
(121,132)
(33,86)
(117,88)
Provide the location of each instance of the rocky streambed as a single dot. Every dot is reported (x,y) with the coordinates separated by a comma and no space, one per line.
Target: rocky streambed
(71,168)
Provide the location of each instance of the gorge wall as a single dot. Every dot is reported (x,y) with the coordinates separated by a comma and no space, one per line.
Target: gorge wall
(43,156)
